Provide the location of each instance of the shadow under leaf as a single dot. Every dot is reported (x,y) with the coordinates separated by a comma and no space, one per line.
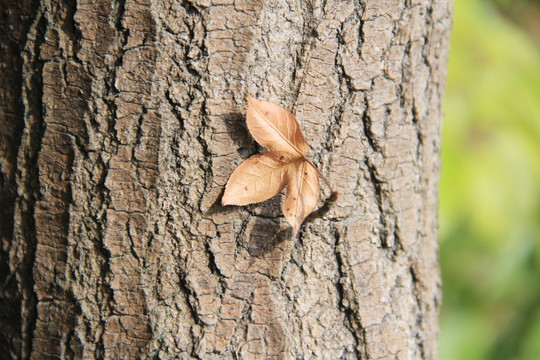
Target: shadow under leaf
(238,130)
(265,235)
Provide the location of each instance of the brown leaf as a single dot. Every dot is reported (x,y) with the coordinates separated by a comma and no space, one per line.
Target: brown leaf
(275,128)
(302,193)
(257,179)
(264,175)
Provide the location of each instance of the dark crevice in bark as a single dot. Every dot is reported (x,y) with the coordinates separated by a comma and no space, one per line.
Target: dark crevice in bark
(16,19)
(104,289)
(207,164)
(360,11)
(379,197)
(419,144)
(338,112)
(418,326)
(338,63)
(406,75)
(190,298)
(214,269)
(397,240)
(32,97)
(110,77)
(117,14)
(240,235)
(309,37)
(70,28)
(175,111)
(191,8)
(69,354)
(389,231)
(352,323)
(367,122)
(139,133)
(72,335)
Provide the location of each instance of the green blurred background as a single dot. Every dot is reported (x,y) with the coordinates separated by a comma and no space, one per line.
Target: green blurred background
(490,185)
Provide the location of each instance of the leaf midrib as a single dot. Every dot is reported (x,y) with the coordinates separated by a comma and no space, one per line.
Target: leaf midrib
(279,132)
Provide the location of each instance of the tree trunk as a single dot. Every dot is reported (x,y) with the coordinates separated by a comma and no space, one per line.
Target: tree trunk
(120,124)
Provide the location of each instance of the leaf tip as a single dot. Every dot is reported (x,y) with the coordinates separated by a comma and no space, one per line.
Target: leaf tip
(250,98)
(226,198)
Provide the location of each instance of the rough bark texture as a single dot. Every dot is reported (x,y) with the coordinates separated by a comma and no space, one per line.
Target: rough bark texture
(120,124)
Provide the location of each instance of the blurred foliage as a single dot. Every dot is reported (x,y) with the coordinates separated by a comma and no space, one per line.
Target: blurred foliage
(524,13)
(490,184)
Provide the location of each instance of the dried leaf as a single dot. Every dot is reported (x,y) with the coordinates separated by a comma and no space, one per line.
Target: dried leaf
(264,175)
(275,128)
(259,178)
(302,193)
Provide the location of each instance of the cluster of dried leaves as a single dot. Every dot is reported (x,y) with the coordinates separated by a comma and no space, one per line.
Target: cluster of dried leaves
(264,175)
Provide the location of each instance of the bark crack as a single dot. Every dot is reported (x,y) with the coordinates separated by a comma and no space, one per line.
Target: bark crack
(28,159)
(352,320)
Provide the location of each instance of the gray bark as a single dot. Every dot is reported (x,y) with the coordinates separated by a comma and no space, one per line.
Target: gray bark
(120,124)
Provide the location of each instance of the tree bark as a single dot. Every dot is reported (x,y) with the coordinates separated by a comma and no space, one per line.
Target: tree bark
(120,124)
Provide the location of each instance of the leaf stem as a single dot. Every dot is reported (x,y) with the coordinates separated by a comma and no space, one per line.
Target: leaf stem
(322,176)
(324,208)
